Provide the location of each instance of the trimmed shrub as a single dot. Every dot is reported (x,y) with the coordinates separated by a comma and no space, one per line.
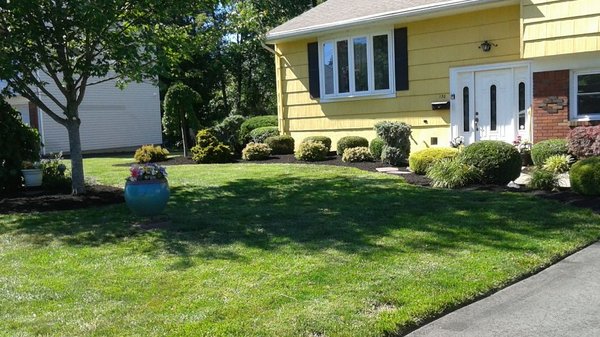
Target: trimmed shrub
(396,138)
(542,179)
(452,173)
(376,147)
(255,123)
(559,163)
(350,142)
(325,140)
(259,135)
(584,141)
(19,143)
(312,151)
(356,154)
(498,162)
(150,154)
(228,131)
(544,149)
(585,176)
(256,151)
(283,144)
(420,161)
(208,149)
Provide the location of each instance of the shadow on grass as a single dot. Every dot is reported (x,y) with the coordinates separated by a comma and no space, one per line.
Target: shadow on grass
(350,214)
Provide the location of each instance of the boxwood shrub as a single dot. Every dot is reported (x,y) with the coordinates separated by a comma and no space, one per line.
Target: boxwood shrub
(376,147)
(585,176)
(256,151)
(254,123)
(350,142)
(497,162)
(420,161)
(311,151)
(544,149)
(259,135)
(357,154)
(325,140)
(283,144)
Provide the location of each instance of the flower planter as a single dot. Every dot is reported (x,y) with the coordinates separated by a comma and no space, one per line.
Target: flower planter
(33,177)
(147,197)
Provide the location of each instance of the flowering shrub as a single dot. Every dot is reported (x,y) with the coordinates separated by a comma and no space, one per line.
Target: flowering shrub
(584,141)
(147,172)
(523,145)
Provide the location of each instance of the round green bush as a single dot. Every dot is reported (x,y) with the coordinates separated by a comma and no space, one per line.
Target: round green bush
(259,135)
(256,151)
(349,142)
(311,151)
(357,154)
(544,149)
(254,123)
(376,147)
(283,144)
(498,162)
(323,139)
(209,150)
(420,161)
(150,154)
(585,176)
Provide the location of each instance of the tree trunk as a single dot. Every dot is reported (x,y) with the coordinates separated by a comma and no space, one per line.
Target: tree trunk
(78,184)
(184,138)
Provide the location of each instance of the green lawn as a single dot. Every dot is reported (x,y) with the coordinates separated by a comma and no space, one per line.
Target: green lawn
(273,250)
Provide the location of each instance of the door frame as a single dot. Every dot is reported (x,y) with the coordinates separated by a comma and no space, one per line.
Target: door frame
(456,115)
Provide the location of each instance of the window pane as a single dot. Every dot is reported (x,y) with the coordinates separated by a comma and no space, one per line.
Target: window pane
(588,83)
(361,76)
(466,114)
(588,104)
(493,107)
(381,62)
(521,106)
(343,74)
(328,67)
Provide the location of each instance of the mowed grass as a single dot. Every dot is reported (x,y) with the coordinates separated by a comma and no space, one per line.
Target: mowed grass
(273,250)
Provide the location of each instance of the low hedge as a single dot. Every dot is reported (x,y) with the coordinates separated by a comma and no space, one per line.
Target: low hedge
(312,151)
(420,161)
(259,135)
(256,151)
(322,139)
(254,123)
(544,149)
(585,176)
(349,142)
(497,162)
(283,144)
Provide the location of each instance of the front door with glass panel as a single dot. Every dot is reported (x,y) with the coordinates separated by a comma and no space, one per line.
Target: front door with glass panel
(490,104)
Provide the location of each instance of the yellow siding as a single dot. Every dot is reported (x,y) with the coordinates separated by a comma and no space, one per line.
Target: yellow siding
(560,27)
(435,46)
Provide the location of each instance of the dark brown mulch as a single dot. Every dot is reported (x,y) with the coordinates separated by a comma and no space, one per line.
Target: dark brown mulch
(41,201)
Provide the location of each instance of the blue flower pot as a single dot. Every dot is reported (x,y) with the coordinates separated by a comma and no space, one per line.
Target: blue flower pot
(147,197)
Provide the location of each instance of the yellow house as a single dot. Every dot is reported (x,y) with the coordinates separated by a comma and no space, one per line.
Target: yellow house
(478,69)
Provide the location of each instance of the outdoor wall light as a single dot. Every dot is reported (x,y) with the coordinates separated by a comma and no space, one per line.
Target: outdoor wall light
(487,46)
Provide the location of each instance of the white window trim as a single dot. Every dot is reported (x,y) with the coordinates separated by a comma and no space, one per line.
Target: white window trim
(353,95)
(573,113)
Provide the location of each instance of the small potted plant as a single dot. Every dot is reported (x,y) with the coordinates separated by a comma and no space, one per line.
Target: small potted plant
(32,173)
(524,147)
(147,189)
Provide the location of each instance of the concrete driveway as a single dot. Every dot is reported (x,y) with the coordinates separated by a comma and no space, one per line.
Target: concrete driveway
(563,300)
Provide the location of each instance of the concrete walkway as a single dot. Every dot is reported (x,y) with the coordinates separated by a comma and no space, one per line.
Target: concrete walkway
(563,300)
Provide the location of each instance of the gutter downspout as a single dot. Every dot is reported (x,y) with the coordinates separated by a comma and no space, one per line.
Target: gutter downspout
(282,121)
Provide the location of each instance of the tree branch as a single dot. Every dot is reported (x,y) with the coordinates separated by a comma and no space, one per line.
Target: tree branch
(103,80)
(26,92)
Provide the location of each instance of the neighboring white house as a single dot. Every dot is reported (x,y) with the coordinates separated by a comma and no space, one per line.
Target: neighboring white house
(111,119)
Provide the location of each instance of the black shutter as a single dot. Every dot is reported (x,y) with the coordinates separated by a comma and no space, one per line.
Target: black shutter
(401,58)
(313,70)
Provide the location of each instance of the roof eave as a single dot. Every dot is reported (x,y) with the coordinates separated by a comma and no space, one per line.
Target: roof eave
(412,13)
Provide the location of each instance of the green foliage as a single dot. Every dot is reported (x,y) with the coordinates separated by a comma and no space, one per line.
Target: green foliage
(452,173)
(209,150)
(256,151)
(311,151)
(350,142)
(585,176)
(18,143)
(179,108)
(376,147)
(150,154)
(259,135)
(283,144)
(396,138)
(255,123)
(558,163)
(357,154)
(544,149)
(420,161)
(322,139)
(542,179)
(54,177)
(498,162)
(228,131)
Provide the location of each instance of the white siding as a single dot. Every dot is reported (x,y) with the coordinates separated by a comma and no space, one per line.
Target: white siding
(110,118)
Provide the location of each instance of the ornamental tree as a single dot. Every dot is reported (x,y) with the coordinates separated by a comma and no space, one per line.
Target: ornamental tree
(80,43)
(180,112)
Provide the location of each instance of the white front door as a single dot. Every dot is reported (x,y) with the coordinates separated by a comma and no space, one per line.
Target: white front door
(490,104)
